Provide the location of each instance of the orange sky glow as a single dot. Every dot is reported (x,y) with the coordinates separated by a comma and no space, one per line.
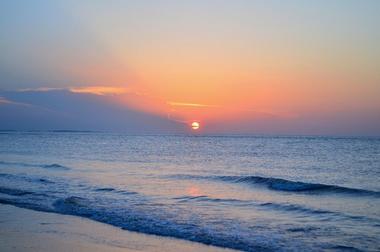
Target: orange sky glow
(240,62)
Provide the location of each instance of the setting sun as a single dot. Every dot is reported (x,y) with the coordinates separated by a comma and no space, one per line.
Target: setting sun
(195,125)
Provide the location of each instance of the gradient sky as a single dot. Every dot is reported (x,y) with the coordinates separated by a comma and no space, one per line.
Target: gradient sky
(289,67)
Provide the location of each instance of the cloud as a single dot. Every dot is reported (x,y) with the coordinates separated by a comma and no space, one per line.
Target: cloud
(197,105)
(100,90)
(7,101)
(64,109)
(122,110)
(4,101)
(96,90)
(39,89)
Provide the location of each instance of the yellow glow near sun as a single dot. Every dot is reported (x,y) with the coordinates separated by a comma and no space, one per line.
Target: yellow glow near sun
(195,125)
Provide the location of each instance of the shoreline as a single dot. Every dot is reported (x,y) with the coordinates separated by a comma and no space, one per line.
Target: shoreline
(23,229)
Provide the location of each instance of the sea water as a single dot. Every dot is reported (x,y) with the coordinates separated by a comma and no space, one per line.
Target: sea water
(252,193)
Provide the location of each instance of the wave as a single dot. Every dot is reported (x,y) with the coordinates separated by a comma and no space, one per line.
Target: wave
(285,207)
(281,207)
(105,189)
(295,208)
(297,186)
(74,201)
(45,166)
(14,192)
(144,218)
(111,189)
(55,167)
(48,131)
(141,218)
(279,184)
(205,198)
(157,223)
(26,178)
(74,131)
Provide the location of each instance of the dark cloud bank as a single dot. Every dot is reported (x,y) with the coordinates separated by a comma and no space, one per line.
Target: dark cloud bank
(64,110)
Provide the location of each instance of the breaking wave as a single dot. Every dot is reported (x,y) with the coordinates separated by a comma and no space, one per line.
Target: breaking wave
(285,185)
(45,166)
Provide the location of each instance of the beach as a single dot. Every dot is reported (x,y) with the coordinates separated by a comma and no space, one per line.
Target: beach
(28,230)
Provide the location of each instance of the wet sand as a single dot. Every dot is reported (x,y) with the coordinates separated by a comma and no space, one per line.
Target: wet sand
(27,230)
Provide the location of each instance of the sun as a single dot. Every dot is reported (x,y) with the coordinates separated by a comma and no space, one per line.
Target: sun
(195,125)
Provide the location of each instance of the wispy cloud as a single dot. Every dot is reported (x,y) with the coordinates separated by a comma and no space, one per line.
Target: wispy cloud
(39,89)
(234,109)
(96,90)
(100,90)
(4,100)
(185,104)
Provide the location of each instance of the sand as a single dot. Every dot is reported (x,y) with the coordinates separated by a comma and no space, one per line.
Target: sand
(27,230)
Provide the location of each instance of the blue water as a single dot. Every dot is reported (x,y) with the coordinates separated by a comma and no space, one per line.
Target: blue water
(242,192)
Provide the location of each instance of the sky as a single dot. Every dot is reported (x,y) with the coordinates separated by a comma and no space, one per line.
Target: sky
(255,67)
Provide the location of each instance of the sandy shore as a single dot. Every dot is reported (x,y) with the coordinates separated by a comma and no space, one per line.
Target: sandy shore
(28,230)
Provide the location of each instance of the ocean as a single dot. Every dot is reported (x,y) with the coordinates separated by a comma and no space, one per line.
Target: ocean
(251,193)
